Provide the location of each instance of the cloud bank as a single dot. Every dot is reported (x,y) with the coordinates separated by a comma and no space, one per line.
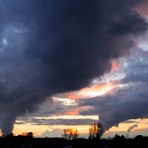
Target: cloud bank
(53,46)
(129,101)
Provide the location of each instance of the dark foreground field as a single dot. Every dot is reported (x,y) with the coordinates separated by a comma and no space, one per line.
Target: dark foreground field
(29,142)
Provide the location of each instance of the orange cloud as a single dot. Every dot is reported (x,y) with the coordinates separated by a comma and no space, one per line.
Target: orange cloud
(93,91)
(142,8)
(115,65)
(77,110)
(72,112)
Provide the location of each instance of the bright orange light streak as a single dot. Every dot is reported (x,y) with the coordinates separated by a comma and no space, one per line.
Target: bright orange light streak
(93,91)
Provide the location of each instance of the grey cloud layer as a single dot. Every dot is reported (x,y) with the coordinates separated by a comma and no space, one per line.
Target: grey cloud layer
(61,121)
(125,103)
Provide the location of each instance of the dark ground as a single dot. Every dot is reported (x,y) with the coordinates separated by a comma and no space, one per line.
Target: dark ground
(29,142)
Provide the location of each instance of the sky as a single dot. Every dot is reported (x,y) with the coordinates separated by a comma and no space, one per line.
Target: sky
(69,64)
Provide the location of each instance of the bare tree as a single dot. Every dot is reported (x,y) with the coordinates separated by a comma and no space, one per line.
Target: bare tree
(95,131)
(75,134)
(70,134)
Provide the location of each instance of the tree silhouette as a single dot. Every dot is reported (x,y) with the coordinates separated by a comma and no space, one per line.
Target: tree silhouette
(95,131)
(30,134)
(70,134)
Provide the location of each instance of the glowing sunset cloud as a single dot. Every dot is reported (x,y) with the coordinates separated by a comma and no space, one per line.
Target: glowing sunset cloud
(115,65)
(142,8)
(77,111)
(72,112)
(93,91)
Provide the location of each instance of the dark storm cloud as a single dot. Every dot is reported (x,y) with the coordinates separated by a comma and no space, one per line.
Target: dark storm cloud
(129,102)
(53,46)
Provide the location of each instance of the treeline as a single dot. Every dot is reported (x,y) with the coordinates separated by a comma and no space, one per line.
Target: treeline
(28,141)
